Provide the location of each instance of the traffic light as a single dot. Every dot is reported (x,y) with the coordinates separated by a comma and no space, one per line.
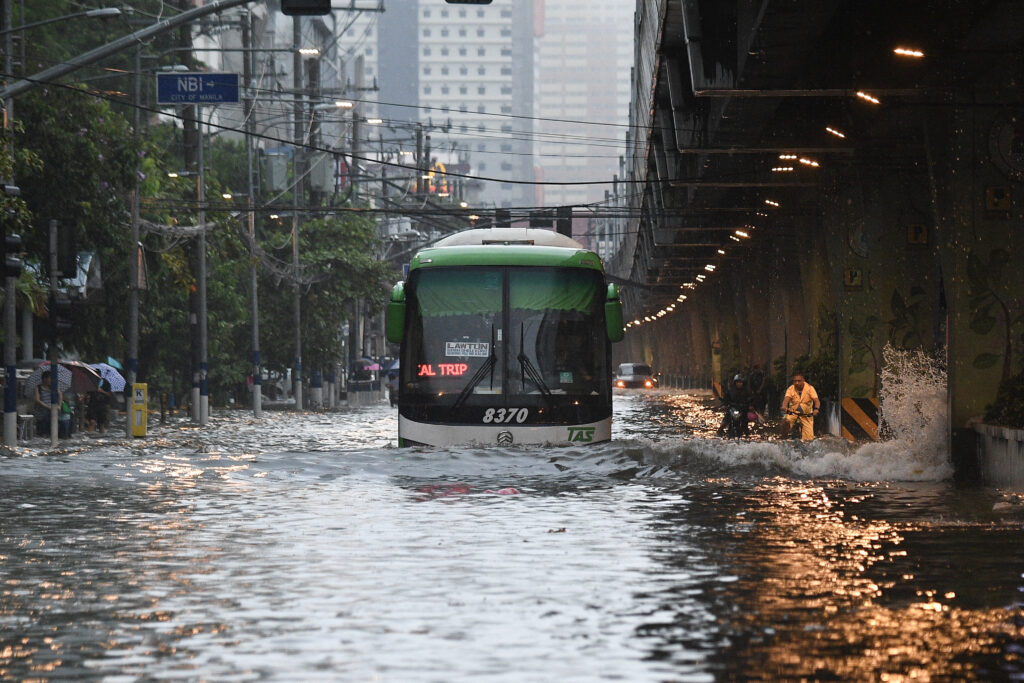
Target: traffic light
(563,222)
(12,255)
(60,312)
(305,7)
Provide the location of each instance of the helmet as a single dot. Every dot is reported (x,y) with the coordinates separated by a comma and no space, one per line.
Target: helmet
(739,378)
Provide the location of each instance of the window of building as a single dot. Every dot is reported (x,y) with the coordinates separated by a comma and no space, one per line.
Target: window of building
(462,90)
(506,31)
(482,90)
(506,90)
(462,52)
(481,147)
(505,166)
(506,13)
(463,70)
(506,71)
(479,12)
(426,32)
(481,167)
(426,70)
(481,51)
(426,52)
(462,13)
(444,13)
(481,70)
(426,13)
(506,109)
(481,108)
(480,32)
(463,128)
(426,90)
(444,52)
(444,89)
(444,71)
(462,32)
(506,147)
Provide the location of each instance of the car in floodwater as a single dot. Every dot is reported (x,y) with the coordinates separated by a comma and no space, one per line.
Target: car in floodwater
(635,376)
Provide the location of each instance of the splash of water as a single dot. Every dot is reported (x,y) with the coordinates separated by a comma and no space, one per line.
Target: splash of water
(912,406)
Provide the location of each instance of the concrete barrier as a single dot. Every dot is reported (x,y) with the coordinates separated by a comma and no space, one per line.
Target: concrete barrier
(1001,455)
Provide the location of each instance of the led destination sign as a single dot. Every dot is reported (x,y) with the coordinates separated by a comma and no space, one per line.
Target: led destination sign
(443,369)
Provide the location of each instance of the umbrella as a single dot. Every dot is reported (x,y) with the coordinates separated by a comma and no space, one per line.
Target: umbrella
(392,366)
(111,375)
(71,374)
(114,364)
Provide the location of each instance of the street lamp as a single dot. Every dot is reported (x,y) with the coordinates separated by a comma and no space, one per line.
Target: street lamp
(102,12)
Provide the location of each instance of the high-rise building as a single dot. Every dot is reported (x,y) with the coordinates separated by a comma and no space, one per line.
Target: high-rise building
(475,80)
(584,57)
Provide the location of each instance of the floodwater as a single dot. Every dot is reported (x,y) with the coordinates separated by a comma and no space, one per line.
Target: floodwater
(307,547)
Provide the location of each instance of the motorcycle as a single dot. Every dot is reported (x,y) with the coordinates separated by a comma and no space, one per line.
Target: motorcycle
(734,425)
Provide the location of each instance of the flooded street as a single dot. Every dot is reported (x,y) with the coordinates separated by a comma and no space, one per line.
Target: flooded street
(308,547)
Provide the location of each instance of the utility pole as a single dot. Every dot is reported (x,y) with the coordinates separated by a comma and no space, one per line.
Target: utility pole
(10,313)
(134,254)
(297,192)
(204,384)
(257,372)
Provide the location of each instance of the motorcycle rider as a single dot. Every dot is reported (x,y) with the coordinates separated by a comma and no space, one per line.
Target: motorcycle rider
(736,396)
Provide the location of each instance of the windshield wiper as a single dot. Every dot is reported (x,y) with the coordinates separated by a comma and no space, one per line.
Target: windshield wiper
(527,369)
(478,376)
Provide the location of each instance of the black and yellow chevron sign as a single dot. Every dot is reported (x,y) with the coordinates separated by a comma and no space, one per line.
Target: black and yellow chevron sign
(860,419)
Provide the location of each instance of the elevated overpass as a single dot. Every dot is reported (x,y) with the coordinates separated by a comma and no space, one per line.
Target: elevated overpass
(814,193)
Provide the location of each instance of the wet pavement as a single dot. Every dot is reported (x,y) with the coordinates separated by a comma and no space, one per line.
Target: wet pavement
(308,547)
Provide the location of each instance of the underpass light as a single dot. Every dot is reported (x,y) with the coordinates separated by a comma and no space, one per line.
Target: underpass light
(375,122)
(700,278)
(809,162)
(636,322)
(464,204)
(273,216)
(769,202)
(710,268)
(722,252)
(343,104)
(734,238)
(867,98)
(786,157)
(742,233)
(782,169)
(835,132)
(309,51)
(908,52)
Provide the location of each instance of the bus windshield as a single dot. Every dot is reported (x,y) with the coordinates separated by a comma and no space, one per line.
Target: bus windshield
(505,336)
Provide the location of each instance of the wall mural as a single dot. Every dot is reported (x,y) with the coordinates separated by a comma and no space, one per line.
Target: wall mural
(903,330)
(989,308)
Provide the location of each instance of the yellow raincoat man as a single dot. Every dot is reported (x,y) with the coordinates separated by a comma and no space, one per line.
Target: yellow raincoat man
(800,403)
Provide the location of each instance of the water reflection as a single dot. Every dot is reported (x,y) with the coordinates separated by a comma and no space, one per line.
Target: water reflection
(307,547)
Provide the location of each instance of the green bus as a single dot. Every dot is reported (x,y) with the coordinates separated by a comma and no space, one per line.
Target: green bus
(505,339)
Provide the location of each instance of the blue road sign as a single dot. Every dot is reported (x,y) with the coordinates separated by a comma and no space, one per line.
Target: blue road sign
(196,88)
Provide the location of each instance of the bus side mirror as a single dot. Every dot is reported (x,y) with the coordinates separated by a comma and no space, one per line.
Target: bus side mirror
(394,327)
(613,314)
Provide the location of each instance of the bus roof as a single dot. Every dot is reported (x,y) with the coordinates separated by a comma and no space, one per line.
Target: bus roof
(507,247)
(526,236)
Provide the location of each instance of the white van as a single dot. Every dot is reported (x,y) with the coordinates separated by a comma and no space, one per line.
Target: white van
(635,376)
